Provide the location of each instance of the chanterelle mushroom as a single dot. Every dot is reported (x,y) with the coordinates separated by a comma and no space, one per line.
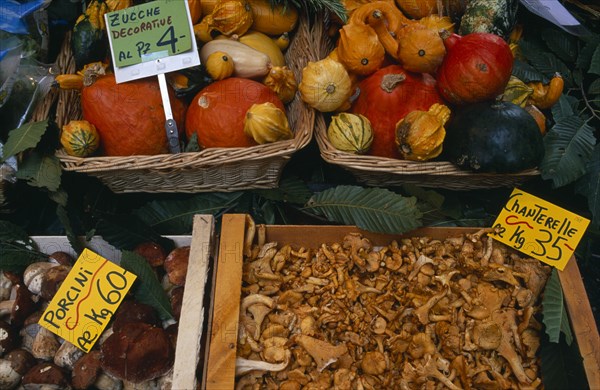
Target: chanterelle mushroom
(321,351)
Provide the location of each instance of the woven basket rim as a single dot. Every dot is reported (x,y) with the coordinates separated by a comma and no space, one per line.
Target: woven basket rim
(304,33)
(401,167)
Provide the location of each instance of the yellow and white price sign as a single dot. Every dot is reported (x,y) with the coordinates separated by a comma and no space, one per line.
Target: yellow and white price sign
(539,228)
(87,299)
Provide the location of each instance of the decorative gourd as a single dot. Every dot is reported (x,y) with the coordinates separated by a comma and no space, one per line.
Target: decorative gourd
(195,10)
(208,6)
(489,16)
(273,19)
(127,124)
(264,44)
(325,85)
(476,68)
(219,65)
(217,112)
(420,49)
(359,49)
(248,62)
(231,17)
(420,134)
(116,5)
(544,96)
(379,23)
(69,81)
(538,115)
(437,23)
(202,31)
(282,80)
(88,39)
(418,9)
(394,18)
(282,41)
(79,138)
(350,133)
(386,97)
(516,92)
(498,137)
(267,123)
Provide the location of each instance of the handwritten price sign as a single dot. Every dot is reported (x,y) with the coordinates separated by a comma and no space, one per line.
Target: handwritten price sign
(540,229)
(86,300)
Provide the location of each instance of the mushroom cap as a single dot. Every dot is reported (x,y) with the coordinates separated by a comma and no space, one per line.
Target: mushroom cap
(52,281)
(176,265)
(137,353)
(34,273)
(9,337)
(133,311)
(20,360)
(62,258)
(86,370)
(176,298)
(23,305)
(154,254)
(46,373)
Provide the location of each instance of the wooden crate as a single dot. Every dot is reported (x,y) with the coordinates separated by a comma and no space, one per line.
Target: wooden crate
(219,370)
(192,319)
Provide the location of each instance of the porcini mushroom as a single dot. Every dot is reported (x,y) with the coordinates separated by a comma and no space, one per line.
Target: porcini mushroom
(154,254)
(47,376)
(9,339)
(13,366)
(176,265)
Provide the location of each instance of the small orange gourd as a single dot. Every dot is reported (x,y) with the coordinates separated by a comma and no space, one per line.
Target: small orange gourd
(231,17)
(420,49)
(420,134)
(418,9)
(219,65)
(546,95)
(325,85)
(359,49)
(281,79)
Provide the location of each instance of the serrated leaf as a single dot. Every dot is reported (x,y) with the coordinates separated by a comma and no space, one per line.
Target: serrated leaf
(435,199)
(545,62)
(41,171)
(585,54)
(17,255)
(589,185)
(10,232)
(63,217)
(554,313)
(569,145)
(562,44)
(127,231)
(147,288)
(176,216)
(291,189)
(594,87)
(526,72)
(553,366)
(373,209)
(23,138)
(564,107)
(595,62)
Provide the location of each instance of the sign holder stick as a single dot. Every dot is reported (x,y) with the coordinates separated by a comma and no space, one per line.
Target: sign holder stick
(170,125)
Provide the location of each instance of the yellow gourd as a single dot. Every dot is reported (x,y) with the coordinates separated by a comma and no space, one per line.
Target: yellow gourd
(203,31)
(359,49)
(266,123)
(79,138)
(219,65)
(546,95)
(264,44)
(195,10)
(273,19)
(420,49)
(207,6)
(437,23)
(418,9)
(69,81)
(282,41)
(350,133)
(281,80)
(325,85)
(231,17)
(516,92)
(420,134)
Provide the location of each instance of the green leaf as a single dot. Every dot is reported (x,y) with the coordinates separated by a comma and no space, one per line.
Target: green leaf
(175,216)
(63,217)
(526,72)
(127,231)
(594,88)
(10,232)
(564,107)
(291,189)
(41,171)
(546,62)
(23,138)
(16,256)
(554,312)
(561,366)
(589,185)
(192,145)
(562,44)
(435,199)
(569,144)
(586,53)
(147,288)
(60,197)
(374,209)
(595,62)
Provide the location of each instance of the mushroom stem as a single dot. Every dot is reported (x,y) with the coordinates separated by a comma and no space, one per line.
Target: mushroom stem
(6,307)
(242,365)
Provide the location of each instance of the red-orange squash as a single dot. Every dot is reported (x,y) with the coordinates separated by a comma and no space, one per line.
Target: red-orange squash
(217,112)
(129,116)
(386,97)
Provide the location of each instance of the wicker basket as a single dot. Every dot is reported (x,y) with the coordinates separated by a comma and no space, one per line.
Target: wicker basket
(389,172)
(213,169)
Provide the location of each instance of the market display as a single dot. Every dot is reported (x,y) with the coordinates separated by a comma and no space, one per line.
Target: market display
(457,313)
(404,57)
(241,47)
(137,349)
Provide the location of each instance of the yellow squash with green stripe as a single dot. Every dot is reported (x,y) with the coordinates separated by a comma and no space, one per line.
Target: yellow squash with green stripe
(350,133)
(79,138)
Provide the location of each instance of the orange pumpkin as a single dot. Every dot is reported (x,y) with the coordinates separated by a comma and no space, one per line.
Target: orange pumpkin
(420,49)
(217,112)
(129,116)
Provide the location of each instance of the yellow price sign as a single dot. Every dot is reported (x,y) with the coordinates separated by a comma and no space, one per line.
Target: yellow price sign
(87,299)
(539,228)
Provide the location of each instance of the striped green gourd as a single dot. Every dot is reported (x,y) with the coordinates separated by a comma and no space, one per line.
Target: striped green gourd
(79,138)
(350,133)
